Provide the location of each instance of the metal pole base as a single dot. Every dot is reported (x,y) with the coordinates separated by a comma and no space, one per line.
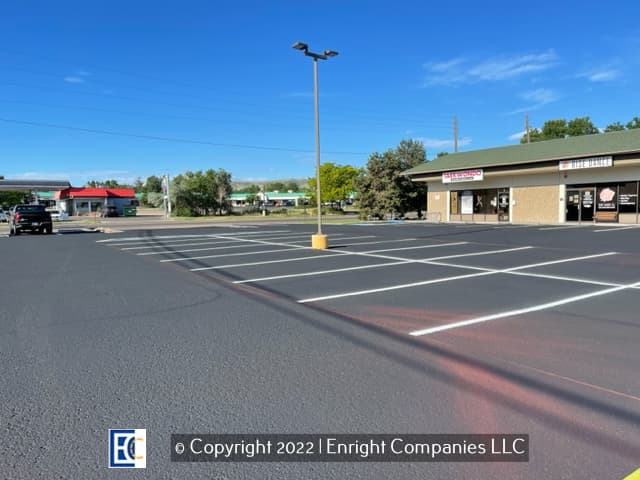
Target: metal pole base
(320,241)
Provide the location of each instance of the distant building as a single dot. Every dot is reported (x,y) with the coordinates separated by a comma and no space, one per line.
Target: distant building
(87,200)
(275,198)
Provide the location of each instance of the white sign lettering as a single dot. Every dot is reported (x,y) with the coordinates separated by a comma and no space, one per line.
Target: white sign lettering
(593,162)
(474,175)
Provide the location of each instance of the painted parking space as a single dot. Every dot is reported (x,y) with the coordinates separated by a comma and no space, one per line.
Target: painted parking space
(422,268)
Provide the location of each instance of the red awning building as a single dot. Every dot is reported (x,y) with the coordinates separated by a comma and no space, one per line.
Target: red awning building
(87,200)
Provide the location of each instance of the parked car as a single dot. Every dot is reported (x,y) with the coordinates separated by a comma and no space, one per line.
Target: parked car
(109,211)
(30,217)
(58,215)
(3,216)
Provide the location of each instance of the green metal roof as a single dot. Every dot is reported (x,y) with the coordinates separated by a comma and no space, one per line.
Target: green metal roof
(45,195)
(627,141)
(270,195)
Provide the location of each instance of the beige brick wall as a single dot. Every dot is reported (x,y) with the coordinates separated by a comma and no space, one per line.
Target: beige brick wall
(437,203)
(535,204)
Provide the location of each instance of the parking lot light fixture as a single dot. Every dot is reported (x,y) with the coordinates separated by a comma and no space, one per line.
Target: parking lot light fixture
(319,240)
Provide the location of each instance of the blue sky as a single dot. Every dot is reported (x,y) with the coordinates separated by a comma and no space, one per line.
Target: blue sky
(209,80)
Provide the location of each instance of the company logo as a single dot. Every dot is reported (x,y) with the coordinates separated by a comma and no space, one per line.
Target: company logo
(127,448)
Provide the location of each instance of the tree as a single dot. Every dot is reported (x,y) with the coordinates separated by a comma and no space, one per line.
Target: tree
(553,129)
(560,128)
(634,123)
(614,127)
(224,189)
(10,198)
(153,184)
(292,186)
(253,188)
(201,193)
(138,185)
(441,154)
(381,189)
(336,182)
(106,184)
(581,126)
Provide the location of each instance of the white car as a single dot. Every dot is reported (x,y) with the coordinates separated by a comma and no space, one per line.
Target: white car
(58,215)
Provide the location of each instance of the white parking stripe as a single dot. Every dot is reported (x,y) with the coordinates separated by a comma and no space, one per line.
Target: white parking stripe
(244,245)
(521,311)
(180,238)
(614,229)
(566,227)
(185,259)
(178,243)
(322,254)
(225,244)
(319,256)
(379,265)
(448,279)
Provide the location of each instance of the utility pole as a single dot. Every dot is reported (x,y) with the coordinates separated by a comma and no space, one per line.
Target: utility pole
(168,196)
(455,134)
(526,127)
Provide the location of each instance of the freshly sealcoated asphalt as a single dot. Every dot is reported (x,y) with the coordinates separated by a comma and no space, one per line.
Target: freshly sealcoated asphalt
(95,333)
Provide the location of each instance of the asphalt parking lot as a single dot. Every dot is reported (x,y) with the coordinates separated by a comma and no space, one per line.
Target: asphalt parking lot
(399,327)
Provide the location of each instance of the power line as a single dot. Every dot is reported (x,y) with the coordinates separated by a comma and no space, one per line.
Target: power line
(367,113)
(168,139)
(189,117)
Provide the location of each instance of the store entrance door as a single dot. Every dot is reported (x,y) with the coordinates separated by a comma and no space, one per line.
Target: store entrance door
(588,206)
(580,205)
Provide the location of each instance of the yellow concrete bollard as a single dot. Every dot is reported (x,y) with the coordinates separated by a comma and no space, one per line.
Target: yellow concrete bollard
(319,241)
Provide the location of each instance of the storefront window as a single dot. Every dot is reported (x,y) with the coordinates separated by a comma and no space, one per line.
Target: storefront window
(492,202)
(628,197)
(607,198)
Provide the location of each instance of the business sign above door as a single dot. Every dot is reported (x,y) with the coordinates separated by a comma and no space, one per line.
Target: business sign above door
(593,162)
(474,175)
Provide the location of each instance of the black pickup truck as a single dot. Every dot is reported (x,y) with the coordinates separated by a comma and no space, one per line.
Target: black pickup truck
(29,217)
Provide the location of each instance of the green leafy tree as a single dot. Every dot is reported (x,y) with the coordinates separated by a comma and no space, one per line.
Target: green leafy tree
(223,190)
(153,184)
(614,127)
(201,193)
(560,128)
(293,187)
(336,182)
(253,188)
(382,190)
(581,126)
(10,198)
(553,129)
(634,123)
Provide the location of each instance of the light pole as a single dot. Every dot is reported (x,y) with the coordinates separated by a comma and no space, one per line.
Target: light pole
(319,240)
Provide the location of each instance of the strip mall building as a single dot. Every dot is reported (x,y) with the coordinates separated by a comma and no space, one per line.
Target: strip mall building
(576,179)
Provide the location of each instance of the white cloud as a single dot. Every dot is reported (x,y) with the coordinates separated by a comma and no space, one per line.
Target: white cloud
(605,75)
(517,135)
(72,79)
(540,95)
(443,143)
(458,71)
(77,178)
(537,98)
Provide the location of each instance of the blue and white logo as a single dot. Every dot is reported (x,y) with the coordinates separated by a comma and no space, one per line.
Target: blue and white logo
(127,448)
